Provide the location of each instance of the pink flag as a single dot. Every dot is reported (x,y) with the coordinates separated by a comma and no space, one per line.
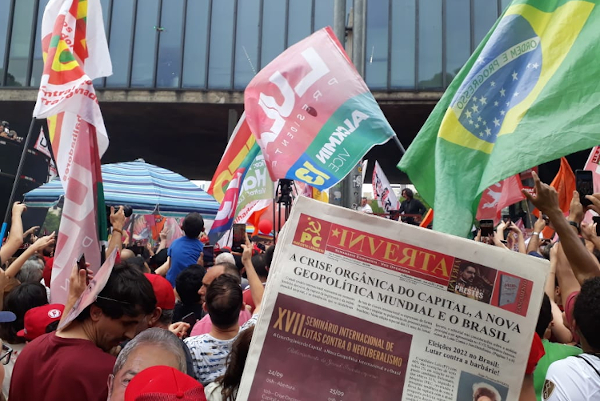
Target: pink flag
(499,196)
(593,164)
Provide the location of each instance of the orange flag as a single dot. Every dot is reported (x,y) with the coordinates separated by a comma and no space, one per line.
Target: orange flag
(427,219)
(564,183)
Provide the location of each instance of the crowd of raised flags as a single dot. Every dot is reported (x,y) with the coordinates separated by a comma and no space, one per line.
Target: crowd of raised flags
(522,99)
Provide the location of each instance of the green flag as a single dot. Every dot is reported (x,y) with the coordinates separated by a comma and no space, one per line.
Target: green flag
(527,95)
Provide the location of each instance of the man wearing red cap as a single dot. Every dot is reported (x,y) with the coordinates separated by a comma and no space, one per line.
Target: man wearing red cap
(38,321)
(165,301)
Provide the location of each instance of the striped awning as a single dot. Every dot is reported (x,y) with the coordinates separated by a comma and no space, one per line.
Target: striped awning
(144,187)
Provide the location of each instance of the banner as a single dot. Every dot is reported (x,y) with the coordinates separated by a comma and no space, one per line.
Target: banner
(526,86)
(593,164)
(237,149)
(500,195)
(312,114)
(257,184)
(365,308)
(75,53)
(43,146)
(227,210)
(382,190)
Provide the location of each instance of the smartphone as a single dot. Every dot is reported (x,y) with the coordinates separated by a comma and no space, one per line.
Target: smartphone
(584,183)
(81,262)
(597,221)
(487,228)
(208,255)
(190,319)
(239,237)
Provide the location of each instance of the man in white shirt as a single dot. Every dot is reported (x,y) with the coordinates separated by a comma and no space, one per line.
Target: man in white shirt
(223,303)
(365,207)
(578,377)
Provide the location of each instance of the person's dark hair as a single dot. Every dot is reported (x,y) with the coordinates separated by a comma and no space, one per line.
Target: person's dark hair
(236,360)
(19,301)
(137,262)
(52,326)
(158,259)
(260,265)
(231,269)
(193,225)
(127,292)
(409,193)
(269,255)
(464,266)
(188,282)
(545,316)
(224,301)
(586,312)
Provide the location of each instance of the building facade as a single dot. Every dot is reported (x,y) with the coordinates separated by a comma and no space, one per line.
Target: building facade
(180,66)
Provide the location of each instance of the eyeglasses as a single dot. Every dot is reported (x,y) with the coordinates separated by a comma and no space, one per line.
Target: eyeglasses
(6,353)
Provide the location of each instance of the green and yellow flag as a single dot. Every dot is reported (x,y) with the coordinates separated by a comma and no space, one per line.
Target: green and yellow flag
(527,95)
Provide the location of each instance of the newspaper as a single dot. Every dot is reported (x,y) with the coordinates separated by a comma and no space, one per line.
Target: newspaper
(363,308)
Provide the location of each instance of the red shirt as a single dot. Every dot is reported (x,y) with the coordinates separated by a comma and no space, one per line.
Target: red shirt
(53,368)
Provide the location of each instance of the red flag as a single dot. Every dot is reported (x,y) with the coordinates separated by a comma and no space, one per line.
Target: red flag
(428,219)
(499,196)
(564,183)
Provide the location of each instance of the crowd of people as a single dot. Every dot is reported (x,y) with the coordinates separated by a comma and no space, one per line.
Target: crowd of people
(183,326)
(167,325)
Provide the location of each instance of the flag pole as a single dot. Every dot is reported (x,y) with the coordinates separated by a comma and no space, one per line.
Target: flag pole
(16,181)
(402,150)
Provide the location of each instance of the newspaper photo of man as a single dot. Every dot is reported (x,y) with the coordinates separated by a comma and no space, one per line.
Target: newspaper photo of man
(472,280)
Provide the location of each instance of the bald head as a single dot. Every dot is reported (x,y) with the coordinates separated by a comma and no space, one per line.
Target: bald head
(213,272)
(126,254)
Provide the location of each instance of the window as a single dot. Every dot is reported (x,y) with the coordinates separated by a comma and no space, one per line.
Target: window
(299,20)
(221,44)
(120,42)
(430,44)
(273,34)
(38,61)
(485,15)
(458,36)
(20,43)
(144,48)
(377,44)
(324,13)
(4,16)
(170,46)
(403,44)
(246,42)
(196,44)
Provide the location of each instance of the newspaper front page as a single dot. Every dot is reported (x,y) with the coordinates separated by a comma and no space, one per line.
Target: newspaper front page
(362,308)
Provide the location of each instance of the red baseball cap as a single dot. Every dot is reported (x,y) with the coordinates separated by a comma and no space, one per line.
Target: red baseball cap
(163,290)
(163,383)
(36,320)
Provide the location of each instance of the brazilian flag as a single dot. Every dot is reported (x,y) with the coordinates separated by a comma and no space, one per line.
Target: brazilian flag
(528,94)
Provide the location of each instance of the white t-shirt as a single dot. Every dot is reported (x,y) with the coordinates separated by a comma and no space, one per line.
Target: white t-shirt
(366,209)
(210,354)
(573,379)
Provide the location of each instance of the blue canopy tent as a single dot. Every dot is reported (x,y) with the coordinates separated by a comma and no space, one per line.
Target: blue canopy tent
(144,187)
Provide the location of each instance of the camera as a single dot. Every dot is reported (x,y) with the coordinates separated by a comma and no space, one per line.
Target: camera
(127,210)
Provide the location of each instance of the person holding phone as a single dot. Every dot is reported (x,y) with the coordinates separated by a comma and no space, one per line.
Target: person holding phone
(184,251)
